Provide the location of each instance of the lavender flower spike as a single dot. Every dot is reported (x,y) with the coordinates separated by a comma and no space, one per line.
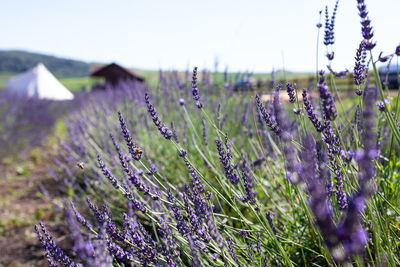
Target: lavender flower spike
(366,28)
(80,218)
(290,88)
(332,24)
(54,254)
(195,89)
(164,130)
(327,34)
(134,150)
(224,158)
(359,68)
(107,173)
(205,137)
(318,197)
(310,112)
(268,119)
(248,182)
(350,230)
(328,104)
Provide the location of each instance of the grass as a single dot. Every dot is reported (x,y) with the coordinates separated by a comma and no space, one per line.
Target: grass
(78,84)
(4,77)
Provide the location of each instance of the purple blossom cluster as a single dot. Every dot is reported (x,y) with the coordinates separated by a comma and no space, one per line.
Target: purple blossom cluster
(248,182)
(319,126)
(164,130)
(349,231)
(195,89)
(381,104)
(54,254)
(359,67)
(366,28)
(25,123)
(329,36)
(290,88)
(327,102)
(134,150)
(268,119)
(224,158)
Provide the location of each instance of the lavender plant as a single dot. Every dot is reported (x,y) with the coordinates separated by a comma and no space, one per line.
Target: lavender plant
(304,189)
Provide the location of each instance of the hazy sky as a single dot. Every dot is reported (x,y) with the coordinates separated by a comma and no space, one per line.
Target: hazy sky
(244,35)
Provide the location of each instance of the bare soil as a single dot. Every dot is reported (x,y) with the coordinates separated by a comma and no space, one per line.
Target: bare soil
(23,203)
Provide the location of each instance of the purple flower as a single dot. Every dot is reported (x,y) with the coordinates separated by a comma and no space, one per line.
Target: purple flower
(339,74)
(327,35)
(119,252)
(265,261)
(323,171)
(268,118)
(280,125)
(310,112)
(269,219)
(383,59)
(195,89)
(184,134)
(166,234)
(174,134)
(54,254)
(381,104)
(332,24)
(164,130)
(80,218)
(248,182)
(258,244)
(397,51)
(366,156)
(359,68)
(213,230)
(232,252)
(134,150)
(340,193)
(197,187)
(181,224)
(291,92)
(194,251)
(196,222)
(366,28)
(328,105)
(224,159)
(182,153)
(318,197)
(107,173)
(205,138)
(297,111)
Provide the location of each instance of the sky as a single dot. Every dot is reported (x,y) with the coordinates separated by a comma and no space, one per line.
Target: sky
(251,35)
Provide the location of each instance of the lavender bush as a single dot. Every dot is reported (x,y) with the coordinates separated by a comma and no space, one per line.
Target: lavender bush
(276,187)
(24,123)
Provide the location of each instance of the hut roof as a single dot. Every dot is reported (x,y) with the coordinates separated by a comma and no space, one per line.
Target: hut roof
(114,71)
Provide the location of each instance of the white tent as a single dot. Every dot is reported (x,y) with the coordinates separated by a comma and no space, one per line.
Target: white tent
(38,82)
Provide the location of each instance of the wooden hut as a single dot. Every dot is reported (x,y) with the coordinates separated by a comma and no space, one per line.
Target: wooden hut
(114,73)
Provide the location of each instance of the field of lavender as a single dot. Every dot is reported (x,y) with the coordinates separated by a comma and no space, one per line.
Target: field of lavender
(192,172)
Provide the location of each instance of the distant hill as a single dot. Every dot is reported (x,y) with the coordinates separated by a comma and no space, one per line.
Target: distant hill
(19,61)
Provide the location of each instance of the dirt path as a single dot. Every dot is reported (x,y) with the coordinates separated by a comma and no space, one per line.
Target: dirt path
(23,204)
